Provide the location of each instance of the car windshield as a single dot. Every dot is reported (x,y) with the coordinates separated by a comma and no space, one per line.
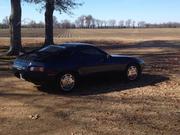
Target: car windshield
(51,49)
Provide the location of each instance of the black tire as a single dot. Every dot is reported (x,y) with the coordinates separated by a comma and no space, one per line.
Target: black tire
(67,82)
(133,72)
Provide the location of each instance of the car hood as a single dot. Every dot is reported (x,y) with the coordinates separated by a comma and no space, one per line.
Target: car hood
(127,57)
(122,56)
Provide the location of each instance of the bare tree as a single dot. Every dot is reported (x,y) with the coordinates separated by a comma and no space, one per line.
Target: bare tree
(80,22)
(133,24)
(97,23)
(101,23)
(55,22)
(88,21)
(93,23)
(128,23)
(5,21)
(66,24)
(85,21)
(121,23)
(50,6)
(105,23)
(32,24)
(112,23)
(77,23)
(141,24)
(15,28)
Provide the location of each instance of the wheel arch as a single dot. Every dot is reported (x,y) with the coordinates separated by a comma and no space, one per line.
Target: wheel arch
(133,63)
(76,73)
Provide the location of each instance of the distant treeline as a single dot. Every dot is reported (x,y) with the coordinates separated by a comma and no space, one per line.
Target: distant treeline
(89,22)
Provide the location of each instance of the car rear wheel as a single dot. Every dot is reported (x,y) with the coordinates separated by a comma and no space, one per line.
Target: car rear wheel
(133,72)
(67,82)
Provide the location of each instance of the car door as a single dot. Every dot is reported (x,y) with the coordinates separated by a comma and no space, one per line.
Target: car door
(92,61)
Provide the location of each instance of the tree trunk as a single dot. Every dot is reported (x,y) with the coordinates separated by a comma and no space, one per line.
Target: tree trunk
(15,28)
(49,22)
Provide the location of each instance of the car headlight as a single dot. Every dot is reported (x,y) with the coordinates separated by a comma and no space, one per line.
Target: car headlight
(37,69)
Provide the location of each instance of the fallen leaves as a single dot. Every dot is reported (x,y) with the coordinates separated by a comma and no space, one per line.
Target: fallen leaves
(34,116)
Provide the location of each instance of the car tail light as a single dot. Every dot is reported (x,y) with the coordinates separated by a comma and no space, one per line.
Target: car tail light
(37,69)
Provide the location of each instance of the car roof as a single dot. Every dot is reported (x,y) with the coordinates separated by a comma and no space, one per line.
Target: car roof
(73,46)
(76,45)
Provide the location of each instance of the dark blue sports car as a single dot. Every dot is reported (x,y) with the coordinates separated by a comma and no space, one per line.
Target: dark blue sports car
(64,64)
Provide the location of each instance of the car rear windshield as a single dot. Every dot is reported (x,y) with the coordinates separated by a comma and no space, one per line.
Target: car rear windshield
(51,49)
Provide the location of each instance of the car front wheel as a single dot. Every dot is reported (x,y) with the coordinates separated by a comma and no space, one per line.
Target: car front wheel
(133,72)
(67,82)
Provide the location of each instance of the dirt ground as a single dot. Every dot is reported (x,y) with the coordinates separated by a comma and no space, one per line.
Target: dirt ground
(150,106)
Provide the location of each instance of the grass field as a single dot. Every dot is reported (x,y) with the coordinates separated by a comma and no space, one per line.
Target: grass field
(101,33)
(150,106)
(111,36)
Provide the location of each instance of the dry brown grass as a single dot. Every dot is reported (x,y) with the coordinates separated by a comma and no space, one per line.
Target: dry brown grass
(84,33)
(99,34)
(107,106)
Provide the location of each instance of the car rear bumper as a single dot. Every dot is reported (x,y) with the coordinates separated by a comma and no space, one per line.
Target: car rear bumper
(34,77)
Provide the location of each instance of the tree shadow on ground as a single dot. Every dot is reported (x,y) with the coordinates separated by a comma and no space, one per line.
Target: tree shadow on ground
(145,44)
(102,85)
(164,62)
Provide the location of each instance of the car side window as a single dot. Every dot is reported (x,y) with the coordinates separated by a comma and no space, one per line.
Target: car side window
(92,52)
(66,53)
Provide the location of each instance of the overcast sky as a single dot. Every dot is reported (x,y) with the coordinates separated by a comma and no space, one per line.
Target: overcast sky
(152,11)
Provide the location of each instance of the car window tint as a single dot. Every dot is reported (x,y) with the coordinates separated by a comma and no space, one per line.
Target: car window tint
(92,51)
(51,49)
(66,53)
